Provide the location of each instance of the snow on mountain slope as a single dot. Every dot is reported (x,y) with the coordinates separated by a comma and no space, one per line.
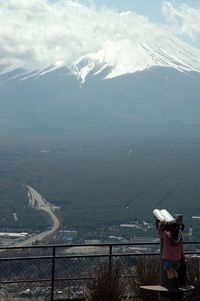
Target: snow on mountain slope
(41,36)
(132,56)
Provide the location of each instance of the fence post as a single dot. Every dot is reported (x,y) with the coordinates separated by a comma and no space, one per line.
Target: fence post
(110,258)
(53,273)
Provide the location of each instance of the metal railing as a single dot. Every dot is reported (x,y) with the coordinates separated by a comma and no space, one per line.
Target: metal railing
(54,272)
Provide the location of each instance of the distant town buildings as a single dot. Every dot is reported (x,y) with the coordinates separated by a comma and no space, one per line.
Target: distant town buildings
(67,235)
(13,234)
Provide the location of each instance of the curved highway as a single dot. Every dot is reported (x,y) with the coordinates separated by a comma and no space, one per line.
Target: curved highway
(40,203)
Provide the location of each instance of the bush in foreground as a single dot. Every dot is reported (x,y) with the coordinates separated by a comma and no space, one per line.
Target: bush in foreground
(147,272)
(107,284)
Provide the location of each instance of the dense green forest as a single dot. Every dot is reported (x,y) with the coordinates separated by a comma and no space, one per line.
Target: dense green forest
(102,182)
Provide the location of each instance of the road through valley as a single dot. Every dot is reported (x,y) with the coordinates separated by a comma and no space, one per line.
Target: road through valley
(40,203)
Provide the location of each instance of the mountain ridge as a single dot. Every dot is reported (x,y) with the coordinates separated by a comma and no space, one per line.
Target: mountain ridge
(56,101)
(135,45)
(182,57)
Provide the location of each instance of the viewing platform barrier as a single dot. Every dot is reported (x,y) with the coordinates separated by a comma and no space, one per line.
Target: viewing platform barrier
(59,272)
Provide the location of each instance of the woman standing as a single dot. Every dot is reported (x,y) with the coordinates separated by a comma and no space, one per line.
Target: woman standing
(172,251)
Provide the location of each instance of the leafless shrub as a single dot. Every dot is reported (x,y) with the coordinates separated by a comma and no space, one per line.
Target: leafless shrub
(147,272)
(107,284)
(193,277)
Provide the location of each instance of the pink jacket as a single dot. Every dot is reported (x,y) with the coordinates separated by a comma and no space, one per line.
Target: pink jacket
(170,250)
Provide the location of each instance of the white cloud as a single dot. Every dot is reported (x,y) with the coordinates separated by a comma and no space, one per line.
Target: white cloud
(37,33)
(183,19)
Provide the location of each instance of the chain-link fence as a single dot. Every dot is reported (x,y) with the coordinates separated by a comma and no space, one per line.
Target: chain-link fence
(62,272)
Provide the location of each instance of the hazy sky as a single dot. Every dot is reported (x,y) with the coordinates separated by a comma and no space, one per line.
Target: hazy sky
(37,33)
(181,15)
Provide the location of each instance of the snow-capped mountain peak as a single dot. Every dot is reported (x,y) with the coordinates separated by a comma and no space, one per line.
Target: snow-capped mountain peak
(132,56)
(87,39)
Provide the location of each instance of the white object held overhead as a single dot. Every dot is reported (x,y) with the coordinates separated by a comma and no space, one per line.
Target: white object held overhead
(163,215)
(158,215)
(168,217)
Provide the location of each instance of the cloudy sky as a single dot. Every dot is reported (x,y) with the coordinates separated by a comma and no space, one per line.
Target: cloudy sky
(37,33)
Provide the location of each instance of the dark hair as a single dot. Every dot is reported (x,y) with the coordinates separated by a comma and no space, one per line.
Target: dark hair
(174,229)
